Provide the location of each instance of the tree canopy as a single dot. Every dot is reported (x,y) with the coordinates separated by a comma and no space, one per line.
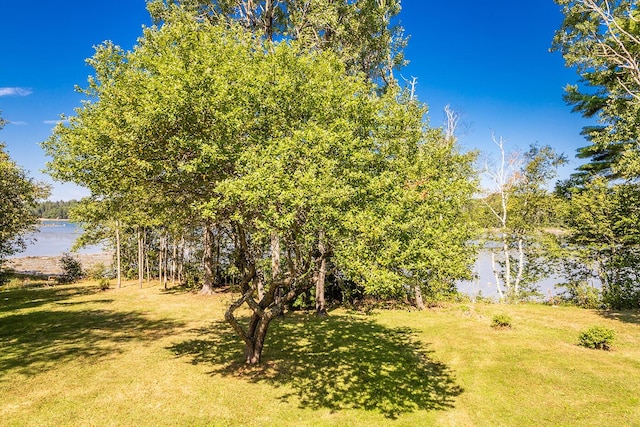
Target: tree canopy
(284,152)
(19,195)
(601,38)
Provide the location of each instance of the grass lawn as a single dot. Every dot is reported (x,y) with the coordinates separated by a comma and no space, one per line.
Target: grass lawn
(74,355)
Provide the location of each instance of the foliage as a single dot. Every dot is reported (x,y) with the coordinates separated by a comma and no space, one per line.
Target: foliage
(71,269)
(54,210)
(601,38)
(581,293)
(603,240)
(99,271)
(362,32)
(518,215)
(501,321)
(261,163)
(103,283)
(597,337)
(19,194)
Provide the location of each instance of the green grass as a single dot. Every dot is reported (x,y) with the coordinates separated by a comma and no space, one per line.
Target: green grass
(73,355)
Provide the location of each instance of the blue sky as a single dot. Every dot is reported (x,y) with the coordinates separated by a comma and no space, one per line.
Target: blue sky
(489,60)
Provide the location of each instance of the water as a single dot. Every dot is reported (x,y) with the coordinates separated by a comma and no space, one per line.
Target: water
(485,284)
(53,238)
(56,237)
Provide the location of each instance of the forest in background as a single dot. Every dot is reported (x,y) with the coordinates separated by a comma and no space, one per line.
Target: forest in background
(54,210)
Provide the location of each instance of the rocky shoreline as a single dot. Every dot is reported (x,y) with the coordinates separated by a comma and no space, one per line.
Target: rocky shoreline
(50,265)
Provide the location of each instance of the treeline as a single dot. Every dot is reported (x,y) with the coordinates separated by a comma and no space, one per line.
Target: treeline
(54,210)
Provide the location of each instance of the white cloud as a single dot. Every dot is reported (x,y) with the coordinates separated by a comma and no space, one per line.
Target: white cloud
(15,91)
(17,122)
(55,122)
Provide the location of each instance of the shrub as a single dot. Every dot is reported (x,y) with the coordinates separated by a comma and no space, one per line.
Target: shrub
(597,337)
(501,321)
(97,272)
(71,269)
(581,294)
(103,283)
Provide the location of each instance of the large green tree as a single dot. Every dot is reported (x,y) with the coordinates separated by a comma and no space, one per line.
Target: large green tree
(283,149)
(601,38)
(19,196)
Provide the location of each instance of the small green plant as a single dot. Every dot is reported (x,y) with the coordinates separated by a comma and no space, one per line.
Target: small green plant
(103,283)
(501,321)
(71,269)
(97,271)
(597,337)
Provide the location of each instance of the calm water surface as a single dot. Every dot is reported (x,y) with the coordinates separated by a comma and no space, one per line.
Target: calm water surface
(55,237)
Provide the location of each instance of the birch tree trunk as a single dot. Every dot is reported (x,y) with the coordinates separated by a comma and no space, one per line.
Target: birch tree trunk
(275,255)
(118,259)
(140,256)
(496,275)
(174,260)
(160,255)
(507,266)
(518,279)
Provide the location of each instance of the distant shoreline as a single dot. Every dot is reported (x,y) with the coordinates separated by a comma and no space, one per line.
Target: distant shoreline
(49,265)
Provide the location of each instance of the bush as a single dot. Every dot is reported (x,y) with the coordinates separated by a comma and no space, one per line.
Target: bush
(501,321)
(581,294)
(71,269)
(103,283)
(98,271)
(597,337)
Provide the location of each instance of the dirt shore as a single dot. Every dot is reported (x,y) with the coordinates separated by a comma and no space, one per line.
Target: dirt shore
(49,265)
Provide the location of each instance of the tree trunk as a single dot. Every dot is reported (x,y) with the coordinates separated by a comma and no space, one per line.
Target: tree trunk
(518,279)
(140,256)
(165,257)
(253,347)
(418,294)
(507,267)
(174,260)
(118,259)
(275,264)
(321,309)
(160,255)
(207,261)
(275,255)
(181,261)
(146,263)
(260,286)
(496,276)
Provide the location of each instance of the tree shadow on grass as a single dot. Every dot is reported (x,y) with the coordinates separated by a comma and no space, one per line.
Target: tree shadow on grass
(340,362)
(38,340)
(36,296)
(627,316)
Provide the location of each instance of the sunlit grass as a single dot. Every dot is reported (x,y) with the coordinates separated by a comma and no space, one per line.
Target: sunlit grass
(73,355)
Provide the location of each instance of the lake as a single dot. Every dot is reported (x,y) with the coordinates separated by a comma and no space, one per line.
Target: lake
(55,237)
(485,284)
